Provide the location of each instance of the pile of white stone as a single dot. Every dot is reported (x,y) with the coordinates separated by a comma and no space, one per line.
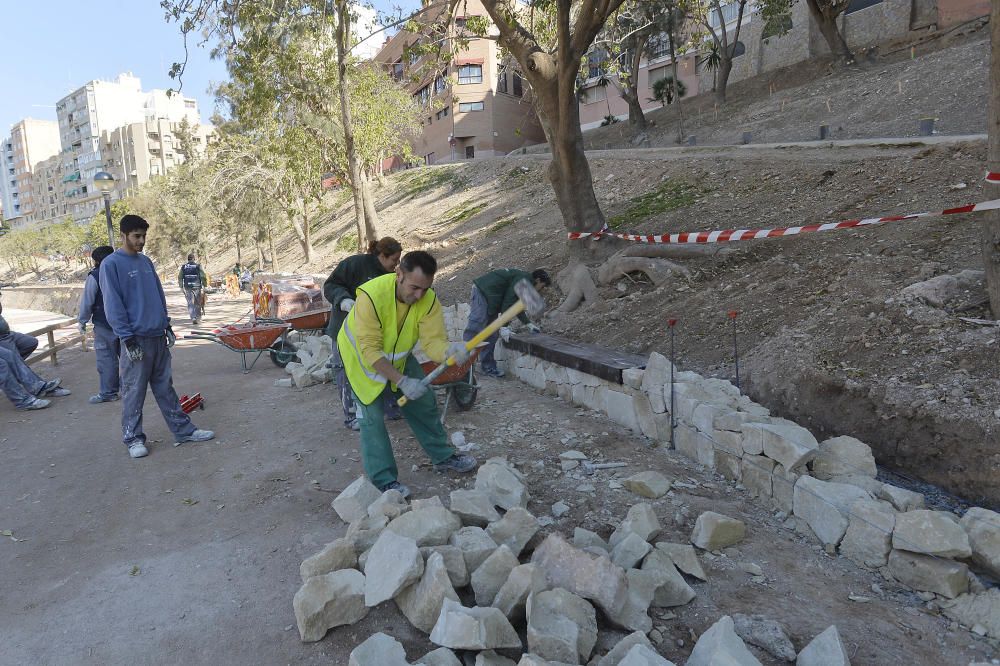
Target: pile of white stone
(314,353)
(829,486)
(455,319)
(422,555)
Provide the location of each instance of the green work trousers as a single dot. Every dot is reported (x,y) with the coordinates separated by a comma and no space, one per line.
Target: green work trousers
(424,419)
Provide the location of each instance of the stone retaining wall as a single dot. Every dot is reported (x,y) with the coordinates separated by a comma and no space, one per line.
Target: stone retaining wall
(827,489)
(64,299)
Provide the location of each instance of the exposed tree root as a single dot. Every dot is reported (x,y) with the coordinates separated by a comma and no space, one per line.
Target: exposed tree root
(676,251)
(575,281)
(660,271)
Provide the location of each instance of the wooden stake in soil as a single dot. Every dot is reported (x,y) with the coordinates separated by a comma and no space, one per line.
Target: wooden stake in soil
(736,352)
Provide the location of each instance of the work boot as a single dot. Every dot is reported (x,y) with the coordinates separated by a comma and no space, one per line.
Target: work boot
(37,403)
(460,463)
(196,436)
(396,485)
(50,385)
(138,450)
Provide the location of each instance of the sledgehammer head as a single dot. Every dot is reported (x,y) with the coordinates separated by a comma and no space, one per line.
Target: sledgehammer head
(534,304)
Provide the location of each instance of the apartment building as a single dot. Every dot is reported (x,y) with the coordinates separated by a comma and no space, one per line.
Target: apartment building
(47,192)
(30,142)
(100,107)
(138,152)
(473,107)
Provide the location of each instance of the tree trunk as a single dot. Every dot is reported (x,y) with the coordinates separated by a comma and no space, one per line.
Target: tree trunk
(274,257)
(636,116)
(722,80)
(364,211)
(991,229)
(831,32)
(677,87)
(370,214)
(307,232)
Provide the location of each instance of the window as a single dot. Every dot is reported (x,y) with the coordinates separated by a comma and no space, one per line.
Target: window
(738,49)
(190,104)
(465,107)
(596,61)
(518,86)
(858,5)
(440,84)
(443,113)
(659,73)
(729,13)
(470,74)
(502,82)
(659,46)
(424,96)
(397,70)
(470,152)
(595,94)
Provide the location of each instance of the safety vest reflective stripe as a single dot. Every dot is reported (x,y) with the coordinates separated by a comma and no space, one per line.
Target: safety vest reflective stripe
(374,376)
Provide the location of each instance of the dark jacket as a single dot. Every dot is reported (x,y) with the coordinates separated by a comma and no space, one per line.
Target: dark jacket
(497,288)
(97,309)
(343,283)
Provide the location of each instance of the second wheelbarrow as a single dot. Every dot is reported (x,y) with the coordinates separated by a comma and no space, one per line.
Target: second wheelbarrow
(458,382)
(244,339)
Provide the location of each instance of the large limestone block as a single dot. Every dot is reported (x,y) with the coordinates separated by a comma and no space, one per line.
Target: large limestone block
(983,528)
(756,472)
(621,409)
(825,506)
(684,557)
(390,504)
(379,650)
(590,576)
(704,415)
(632,377)
(686,441)
(329,600)
(929,574)
(514,530)
(524,580)
(728,441)
(656,375)
(714,531)
(584,539)
(622,648)
(868,540)
(630,551)
(561,626)
(844,455)
(363,532)
(475,544)
(491,575)
(352,504)
(721,645)
(671,589)
(440,657)
(827,649)
(931,533)
(765,633)
(649,484)
(335,556)
(502,483)
(728,465)
(454,563)
(491,658)
(866,483)
(474,507)
(901,498)
(393,563)
(972,609)
(791,445)
(634,613)
(461,628)
(640,655)
(421,603)
(432,526)
(646,417)
(783,488)
(705,451)
(733,421)
(640,520)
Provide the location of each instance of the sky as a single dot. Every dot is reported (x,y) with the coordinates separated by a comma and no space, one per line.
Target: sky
(53,47)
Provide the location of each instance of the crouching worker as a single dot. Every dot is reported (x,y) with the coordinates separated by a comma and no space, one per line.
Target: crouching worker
(391,314)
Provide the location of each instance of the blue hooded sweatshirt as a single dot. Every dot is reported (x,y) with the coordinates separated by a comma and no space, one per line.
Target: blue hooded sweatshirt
(133,296)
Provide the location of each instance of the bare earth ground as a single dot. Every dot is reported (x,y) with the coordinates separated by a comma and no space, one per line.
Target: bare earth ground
(191,555)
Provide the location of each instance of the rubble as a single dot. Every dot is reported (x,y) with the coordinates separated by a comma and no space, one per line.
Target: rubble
(398,563)
(714,531)
(329,600)
(561,626)
(475,545)
(983,529)
(981,609)
(931,533)
(421,603)
(630,551)
(684,558)
(721,645)
(641,655)
(352,504)
(380,649)
(931,574)
(512,596)
(671,589)
(590,576)
(490,576)
(440,657)
(826,649)
(514,530)
(431,526)
(454,563)
(474,507)
(335,555)
(766,634)
(648,484)
(640,520)
(461,628)
(391,505)
(622,647)
(502,484)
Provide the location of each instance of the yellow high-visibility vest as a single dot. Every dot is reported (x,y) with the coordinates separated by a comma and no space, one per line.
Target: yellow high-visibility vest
(366,382)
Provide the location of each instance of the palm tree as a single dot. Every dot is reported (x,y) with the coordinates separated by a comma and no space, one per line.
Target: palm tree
(665,91)
(712,62)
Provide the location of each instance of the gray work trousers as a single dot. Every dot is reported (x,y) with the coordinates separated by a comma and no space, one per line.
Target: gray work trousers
(17,381)
(480,318)
(106,348)
(193,297)
(152,371)
(19,343)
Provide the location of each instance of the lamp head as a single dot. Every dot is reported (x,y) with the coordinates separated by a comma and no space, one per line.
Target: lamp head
(104,181)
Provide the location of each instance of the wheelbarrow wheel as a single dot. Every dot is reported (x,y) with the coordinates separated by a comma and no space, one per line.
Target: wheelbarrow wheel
(282,353)
(464,395)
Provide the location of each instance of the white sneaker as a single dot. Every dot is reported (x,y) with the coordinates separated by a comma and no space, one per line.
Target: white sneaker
(196,436)
(37,403)
(138,450)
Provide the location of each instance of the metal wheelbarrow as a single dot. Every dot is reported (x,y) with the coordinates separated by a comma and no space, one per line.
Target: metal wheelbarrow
(244,339)
(458,382)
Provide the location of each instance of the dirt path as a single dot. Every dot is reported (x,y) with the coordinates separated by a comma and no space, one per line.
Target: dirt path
(191,555)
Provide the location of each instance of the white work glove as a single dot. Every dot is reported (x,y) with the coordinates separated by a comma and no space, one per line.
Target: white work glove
(83,328)
(171,337)
(505,333)
(534,328)
(347,304)
(412,388)
(458,350)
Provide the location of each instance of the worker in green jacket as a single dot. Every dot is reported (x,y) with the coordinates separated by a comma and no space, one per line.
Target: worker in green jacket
(492,294)
(340,289)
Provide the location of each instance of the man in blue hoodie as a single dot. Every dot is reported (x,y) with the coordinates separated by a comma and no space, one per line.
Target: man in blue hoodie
(136,308)
(106,344)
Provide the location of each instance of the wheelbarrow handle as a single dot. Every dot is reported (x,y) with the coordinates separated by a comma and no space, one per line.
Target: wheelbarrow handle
(497,324)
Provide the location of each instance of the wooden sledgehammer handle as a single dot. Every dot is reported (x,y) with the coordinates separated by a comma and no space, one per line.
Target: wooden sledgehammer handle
(497,324)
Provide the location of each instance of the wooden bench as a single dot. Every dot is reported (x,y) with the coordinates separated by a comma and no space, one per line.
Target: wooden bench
(591,359)
(49,332)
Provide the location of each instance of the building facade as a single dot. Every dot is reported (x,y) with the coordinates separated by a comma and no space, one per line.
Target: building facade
(475,106)
(48,193)
(138,152)
(30,142)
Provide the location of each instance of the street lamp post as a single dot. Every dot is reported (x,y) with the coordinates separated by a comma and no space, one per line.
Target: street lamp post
(105,182)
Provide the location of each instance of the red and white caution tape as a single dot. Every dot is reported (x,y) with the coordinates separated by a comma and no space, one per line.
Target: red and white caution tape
(729,235)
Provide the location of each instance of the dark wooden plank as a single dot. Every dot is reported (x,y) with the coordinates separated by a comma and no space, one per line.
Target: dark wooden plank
(594,360)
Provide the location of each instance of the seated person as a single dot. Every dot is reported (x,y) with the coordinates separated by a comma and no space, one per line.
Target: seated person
(16,342)
(23,387)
